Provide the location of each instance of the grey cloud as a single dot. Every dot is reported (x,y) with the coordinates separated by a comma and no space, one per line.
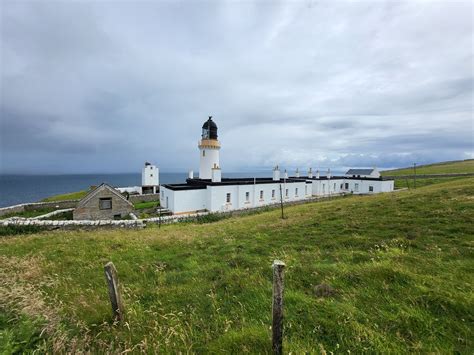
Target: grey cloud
(111,84)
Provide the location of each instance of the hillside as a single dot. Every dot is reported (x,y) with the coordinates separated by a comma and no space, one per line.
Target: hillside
(461,166)
(401,266)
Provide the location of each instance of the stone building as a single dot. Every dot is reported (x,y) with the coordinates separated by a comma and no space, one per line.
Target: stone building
(104,202)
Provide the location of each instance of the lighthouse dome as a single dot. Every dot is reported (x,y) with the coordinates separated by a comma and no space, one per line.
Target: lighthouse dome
(209,129)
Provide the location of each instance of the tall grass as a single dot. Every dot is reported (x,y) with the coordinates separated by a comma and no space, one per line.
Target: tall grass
(400,267)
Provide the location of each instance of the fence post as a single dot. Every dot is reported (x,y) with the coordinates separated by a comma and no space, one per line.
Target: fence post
(114,290)
(277,307)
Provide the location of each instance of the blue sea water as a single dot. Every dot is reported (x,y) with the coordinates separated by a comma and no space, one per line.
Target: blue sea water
(15,189)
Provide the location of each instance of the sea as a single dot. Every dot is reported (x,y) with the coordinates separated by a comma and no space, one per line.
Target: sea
(16,189)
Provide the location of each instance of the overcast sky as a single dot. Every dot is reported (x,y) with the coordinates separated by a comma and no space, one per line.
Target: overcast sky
(103,86)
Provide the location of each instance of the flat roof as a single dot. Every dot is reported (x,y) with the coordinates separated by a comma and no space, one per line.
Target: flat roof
(342,178)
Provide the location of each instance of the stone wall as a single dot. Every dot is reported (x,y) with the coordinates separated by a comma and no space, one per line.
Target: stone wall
(33,206)
(144,198)
(89,209)
(72,224)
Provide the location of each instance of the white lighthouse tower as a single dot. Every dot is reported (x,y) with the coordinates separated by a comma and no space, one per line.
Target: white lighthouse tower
(209,148)
(150,179)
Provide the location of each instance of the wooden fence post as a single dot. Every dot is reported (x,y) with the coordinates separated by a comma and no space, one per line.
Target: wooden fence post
(114,290)
(277,307)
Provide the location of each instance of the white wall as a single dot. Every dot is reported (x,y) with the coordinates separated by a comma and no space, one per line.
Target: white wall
(183,200)
(207,161)
(217,195)
(326,187)
(150,176)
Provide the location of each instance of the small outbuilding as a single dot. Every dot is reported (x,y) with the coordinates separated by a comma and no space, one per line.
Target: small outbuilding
(104,202)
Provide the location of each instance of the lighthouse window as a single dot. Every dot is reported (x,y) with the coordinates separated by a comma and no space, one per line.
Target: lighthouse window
(203,153)
(247,196)
(227,197)
(105,203)
(261,194)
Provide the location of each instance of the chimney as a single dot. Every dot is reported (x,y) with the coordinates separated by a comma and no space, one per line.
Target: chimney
(191,174)
(285,174)
(297,173)
(310,173)
(276,173)
(329,173)
(216,174)
(317,174)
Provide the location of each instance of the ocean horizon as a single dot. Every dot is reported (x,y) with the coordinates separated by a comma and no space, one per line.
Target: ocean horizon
(16,189)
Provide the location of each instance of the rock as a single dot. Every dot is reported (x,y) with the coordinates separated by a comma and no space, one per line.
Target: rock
(324,290)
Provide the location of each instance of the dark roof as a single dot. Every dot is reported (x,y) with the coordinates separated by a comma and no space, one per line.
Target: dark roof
(241,181)
(192,184)
(359,171)
(182,187)
(97,190)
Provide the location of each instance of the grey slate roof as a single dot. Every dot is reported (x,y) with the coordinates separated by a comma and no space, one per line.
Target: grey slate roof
(99,188)
(359,171)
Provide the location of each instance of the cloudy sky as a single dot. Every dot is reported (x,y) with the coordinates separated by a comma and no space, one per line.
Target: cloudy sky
(102,86)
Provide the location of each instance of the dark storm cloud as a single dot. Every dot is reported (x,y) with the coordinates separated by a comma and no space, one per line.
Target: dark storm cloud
(105,86)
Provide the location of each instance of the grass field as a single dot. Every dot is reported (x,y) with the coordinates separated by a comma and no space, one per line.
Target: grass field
(145,205)
(29,214)
(462,166)
(401,266)
(69,196)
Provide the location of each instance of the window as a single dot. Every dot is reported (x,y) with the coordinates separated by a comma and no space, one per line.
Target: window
(371,189)
(261,194)
(334,186)
(296,192)
(356,187)
(286,192)
(247,196)
(105,203)
(227,198)
(347,186)
(151,175)
(273,193)
(306,190)
(203,153)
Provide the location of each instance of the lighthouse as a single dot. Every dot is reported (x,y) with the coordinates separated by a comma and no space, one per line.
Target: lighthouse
(209,148)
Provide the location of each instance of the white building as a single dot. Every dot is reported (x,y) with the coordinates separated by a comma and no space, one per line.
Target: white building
(211,192)
(364,173)
(150,179)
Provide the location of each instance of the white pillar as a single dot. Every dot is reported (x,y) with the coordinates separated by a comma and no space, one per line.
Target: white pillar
(216,174)
(310,173)
(285,175)
(297,174)
(276,173)
(329,173)
(317,174)
(191,174)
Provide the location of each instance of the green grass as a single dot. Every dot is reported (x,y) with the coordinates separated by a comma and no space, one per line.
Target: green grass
(29,214)
(410,183)
(401,266)
(145,205)
(462,166)
(69,196)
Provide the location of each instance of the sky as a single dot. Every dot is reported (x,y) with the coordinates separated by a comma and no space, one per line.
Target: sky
(103,86)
